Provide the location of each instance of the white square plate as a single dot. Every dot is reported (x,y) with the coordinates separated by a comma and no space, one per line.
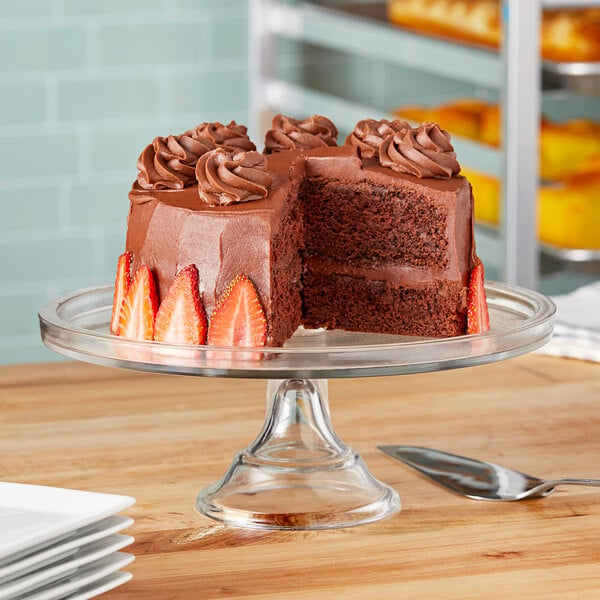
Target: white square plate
(64,568)
(63,549)
(89,581)
(33,515)
(98,587)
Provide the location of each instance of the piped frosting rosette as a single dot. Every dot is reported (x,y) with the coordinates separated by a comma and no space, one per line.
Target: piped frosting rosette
(369,134)
(170,163)
(424,151)
(232,136)
(231,176)
(288,133)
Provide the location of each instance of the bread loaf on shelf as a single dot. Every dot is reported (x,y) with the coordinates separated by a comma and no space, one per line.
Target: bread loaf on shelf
(568,211)
(571,35)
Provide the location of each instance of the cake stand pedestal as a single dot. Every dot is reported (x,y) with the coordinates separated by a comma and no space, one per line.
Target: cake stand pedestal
(298,474)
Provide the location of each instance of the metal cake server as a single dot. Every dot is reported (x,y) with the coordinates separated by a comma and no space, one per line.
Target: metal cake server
(477,479)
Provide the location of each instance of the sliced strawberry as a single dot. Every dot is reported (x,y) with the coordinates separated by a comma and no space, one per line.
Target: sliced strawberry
(478,318)
(139,307)
(122,283)
(181,318)
(238,318)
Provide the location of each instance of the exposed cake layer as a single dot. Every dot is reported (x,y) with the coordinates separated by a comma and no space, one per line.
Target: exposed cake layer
(386,254)
(368,224)
(383,302)
(367,216)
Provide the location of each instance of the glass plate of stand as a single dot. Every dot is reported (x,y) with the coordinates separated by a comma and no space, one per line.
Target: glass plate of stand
(298,474)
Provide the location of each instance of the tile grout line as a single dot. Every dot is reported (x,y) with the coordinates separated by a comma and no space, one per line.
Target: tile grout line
(51,89)
(91,49)
(64,206)
(58,12)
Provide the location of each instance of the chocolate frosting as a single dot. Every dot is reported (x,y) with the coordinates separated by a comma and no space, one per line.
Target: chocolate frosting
(232,176)
(231,136)
(170,163)
(288,133)
(368,135)
(424,152)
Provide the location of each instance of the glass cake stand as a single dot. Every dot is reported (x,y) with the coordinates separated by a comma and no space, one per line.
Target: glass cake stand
(298,474)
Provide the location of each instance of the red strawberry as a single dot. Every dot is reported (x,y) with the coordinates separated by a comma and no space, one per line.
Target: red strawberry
(238,318)
(139,307)
(478,318)
(181,318)
(122,283)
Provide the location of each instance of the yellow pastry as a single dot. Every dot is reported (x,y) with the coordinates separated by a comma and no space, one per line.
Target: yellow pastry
(567,35)
(566,148)
(569,215)
(568,212)
(486,194)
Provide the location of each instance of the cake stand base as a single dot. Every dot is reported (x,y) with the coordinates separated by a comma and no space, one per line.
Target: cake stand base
(297,474)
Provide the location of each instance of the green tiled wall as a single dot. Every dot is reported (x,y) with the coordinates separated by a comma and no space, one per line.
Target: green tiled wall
(108,97)
(97,8)
(22,103)
(39,47)
(84,86)
(30,208)
(39,154)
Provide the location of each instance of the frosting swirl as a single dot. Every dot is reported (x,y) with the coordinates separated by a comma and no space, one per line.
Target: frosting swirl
(231,176)
(368,135)
(232,136)
(288,133)
(170,163)
(425,151)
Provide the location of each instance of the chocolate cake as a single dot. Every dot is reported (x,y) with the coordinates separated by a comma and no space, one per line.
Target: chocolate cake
(374,236)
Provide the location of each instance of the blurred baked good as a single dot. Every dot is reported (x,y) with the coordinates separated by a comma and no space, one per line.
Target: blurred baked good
(571,35)
(568,212)
(467,117)
(490,130)
(463,116)
(567,35)
(567,148)
(465,20)
(486,194)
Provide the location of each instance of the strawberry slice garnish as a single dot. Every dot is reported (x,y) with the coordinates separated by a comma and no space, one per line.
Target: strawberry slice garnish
(181,318)
(139,307)
(478,318)
(238,318)
(122,283)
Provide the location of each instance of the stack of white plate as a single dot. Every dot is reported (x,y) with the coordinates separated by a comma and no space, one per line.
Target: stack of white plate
(58,543)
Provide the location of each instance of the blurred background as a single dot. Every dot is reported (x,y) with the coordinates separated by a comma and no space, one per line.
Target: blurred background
(86,84)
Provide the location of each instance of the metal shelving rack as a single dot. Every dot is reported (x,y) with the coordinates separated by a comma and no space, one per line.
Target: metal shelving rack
(515,71)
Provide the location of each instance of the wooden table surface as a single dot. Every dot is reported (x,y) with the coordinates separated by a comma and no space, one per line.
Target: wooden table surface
(162,438)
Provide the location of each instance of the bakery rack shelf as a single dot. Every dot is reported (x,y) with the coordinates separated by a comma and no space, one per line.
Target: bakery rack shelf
(374,37)
(570,3)
(362,29)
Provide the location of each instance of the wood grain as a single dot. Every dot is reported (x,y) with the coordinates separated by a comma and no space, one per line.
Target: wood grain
(161,439)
